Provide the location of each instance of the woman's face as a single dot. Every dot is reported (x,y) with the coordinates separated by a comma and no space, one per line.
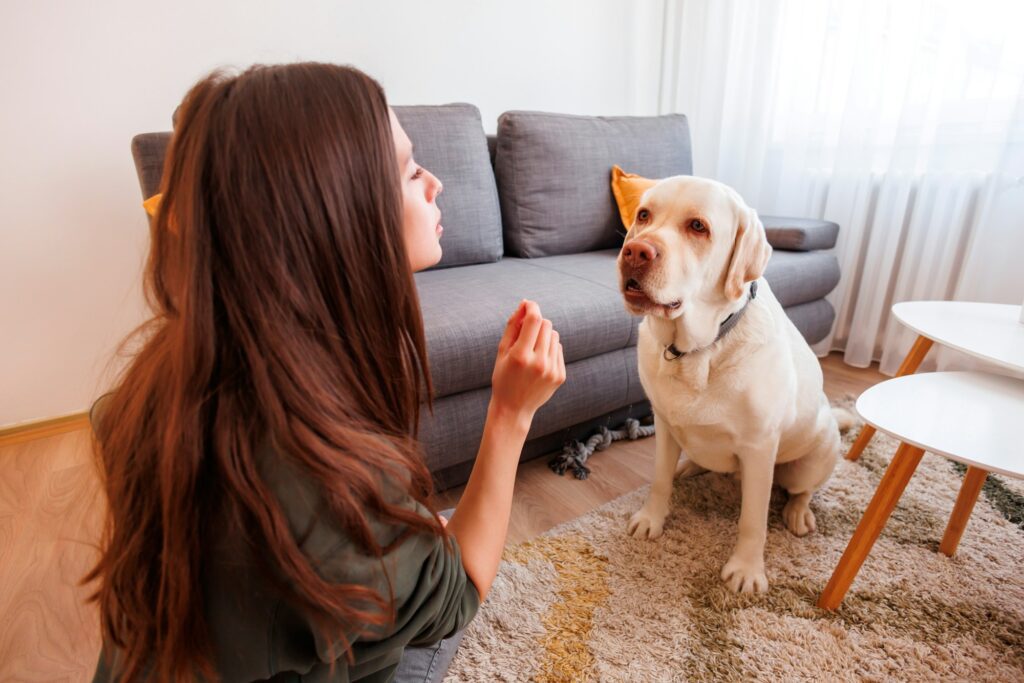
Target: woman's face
(421,219)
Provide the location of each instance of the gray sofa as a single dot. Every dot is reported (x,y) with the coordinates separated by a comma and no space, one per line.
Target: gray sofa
(529,213)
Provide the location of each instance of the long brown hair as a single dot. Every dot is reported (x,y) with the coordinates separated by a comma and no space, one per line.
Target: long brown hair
(284,307)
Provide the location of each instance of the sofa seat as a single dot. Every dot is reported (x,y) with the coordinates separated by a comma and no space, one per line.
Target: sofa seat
(465,311)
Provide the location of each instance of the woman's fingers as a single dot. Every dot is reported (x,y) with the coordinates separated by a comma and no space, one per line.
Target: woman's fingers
(532,322)
(561,361)
(512,327)
(555,364)
(543,345)
(535,341)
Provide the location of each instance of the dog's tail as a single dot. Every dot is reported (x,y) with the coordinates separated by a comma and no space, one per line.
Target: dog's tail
(844,418)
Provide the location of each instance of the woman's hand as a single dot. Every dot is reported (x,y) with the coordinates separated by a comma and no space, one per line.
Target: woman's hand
(527,372)
(530,365)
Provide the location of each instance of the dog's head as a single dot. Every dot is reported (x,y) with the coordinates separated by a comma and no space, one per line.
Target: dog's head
(693,246)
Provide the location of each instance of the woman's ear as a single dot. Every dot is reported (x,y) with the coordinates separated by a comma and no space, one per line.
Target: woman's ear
(750,253)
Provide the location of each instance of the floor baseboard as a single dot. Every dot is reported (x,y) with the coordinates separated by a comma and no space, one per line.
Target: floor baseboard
(40,429)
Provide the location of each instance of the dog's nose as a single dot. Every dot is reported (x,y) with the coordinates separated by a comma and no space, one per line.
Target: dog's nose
(639,253)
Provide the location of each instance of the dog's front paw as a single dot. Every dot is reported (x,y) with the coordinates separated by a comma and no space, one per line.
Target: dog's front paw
(798,517)
(647,522)
(745,576)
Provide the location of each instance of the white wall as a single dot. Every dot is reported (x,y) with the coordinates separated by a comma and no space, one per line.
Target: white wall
(78,82)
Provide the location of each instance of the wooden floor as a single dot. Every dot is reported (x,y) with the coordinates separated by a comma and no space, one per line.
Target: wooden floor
(51,513)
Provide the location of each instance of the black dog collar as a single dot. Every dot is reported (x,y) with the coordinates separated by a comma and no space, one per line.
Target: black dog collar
(672,353)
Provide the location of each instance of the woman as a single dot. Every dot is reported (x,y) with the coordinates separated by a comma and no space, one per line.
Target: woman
(270,511)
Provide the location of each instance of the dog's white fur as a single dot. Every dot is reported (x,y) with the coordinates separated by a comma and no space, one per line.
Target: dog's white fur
(751,403)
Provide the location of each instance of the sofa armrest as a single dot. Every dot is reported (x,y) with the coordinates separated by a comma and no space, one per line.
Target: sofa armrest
(799,234)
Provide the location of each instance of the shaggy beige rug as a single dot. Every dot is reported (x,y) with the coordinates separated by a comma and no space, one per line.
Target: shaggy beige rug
(587,602)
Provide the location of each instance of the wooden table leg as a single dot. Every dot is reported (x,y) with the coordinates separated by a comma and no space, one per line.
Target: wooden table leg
(871,524)
(969,490)
(866,432)
(910,364)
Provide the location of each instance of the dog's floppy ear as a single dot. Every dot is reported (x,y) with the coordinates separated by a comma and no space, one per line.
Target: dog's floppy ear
(750,252)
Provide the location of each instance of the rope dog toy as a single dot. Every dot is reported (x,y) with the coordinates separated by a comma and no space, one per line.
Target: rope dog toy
(575,453)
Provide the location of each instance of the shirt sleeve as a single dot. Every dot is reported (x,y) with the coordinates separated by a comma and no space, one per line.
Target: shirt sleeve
(440,599)
(434,599)
(433,596)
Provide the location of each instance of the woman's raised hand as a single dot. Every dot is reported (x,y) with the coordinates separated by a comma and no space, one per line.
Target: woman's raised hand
(528,370)
(530,365)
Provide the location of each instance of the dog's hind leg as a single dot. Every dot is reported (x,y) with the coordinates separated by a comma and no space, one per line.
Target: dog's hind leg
(801,478)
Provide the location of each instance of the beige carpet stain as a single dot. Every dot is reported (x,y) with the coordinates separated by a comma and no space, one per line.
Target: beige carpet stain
(582,587)
(585,601)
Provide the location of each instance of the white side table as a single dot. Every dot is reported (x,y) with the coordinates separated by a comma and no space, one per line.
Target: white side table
(971,417)
(991,332)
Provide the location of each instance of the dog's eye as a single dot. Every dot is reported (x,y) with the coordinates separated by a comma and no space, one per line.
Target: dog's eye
(697,225)
(643,215)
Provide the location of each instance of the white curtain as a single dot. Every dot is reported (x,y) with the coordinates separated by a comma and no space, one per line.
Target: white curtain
(901,121)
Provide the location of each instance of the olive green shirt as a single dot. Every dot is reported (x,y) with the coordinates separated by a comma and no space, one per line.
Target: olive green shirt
(257,633)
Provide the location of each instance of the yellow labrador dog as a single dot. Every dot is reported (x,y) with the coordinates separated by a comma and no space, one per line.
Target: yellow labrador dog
(733,384)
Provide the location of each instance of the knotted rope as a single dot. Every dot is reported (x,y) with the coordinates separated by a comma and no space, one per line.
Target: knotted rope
(575,453)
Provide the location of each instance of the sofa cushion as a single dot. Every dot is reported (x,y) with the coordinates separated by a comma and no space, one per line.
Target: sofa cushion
(628,189)
(800,234)
(553,173)
(599,267)
(800,277)
(465,311)
(449,141)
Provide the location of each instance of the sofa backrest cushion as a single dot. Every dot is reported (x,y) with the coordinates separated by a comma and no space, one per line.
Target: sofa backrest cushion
(554,171)
(449,141)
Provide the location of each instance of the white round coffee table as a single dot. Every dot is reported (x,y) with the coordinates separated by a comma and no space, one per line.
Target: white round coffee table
(991,332)
(971,417)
